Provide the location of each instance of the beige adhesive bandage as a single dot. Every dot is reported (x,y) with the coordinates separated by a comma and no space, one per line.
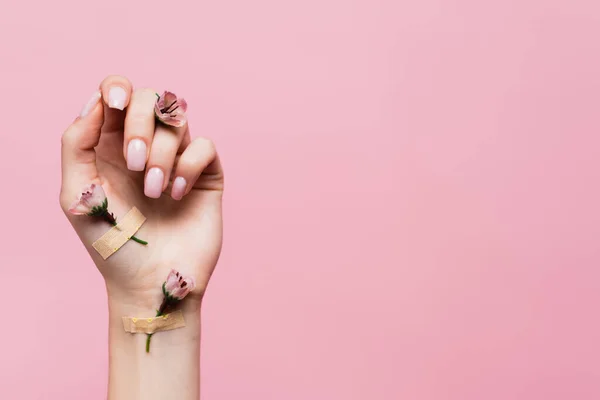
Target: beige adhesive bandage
(112,240)
(165,322)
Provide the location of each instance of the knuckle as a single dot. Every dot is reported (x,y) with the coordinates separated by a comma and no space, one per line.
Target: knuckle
(185,165)
(208,145)
(68,138)
(143,97)
(138,118)
(72,141)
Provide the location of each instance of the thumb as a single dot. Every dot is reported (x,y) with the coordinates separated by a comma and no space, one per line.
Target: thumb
(77,155)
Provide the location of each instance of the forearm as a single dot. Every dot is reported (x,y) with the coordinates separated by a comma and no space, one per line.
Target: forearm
(172,367)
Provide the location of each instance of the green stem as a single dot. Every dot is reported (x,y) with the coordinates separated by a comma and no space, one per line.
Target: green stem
(108,217)
(140,241)
(159,312)
(148,342)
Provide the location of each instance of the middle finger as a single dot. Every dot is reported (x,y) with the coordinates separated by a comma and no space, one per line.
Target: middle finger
(139,129)
(163,152)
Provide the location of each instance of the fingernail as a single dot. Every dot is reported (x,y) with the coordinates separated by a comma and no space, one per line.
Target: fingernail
(154,183)
(179,185)
(136,155)
(89,106)
(117,97)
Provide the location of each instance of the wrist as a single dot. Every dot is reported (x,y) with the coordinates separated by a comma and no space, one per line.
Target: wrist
(171,366)
(145,305)
(144,301)
(134,343)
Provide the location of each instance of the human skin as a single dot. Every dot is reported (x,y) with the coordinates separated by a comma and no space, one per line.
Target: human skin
(183,229)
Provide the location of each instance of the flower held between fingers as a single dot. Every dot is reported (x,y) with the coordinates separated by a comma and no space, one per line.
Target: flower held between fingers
(170,110)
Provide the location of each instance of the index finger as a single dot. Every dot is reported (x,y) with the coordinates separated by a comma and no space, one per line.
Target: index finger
(116,93)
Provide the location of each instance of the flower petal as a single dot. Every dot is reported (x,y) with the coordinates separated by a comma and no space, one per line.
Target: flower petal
(158,106)
(90,197)
(169,98)
(98,196)
(170,110)
(79,209)
(178,286)
(182,105)
(177,121)
(161,100)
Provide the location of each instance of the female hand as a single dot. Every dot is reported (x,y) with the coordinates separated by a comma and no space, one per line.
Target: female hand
(175,182)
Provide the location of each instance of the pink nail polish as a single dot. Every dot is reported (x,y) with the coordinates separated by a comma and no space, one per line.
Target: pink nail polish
(179,186)
(117,96)
(136,155)
(89,106)
(154,183)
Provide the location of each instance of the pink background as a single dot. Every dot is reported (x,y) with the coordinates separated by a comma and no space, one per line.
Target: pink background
(412,205)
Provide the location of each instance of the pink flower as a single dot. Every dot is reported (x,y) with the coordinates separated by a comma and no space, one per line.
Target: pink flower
(92,201)
(171,110)
(177,286)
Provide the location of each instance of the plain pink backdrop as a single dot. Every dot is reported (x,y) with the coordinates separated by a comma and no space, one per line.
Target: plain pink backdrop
(412,203)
